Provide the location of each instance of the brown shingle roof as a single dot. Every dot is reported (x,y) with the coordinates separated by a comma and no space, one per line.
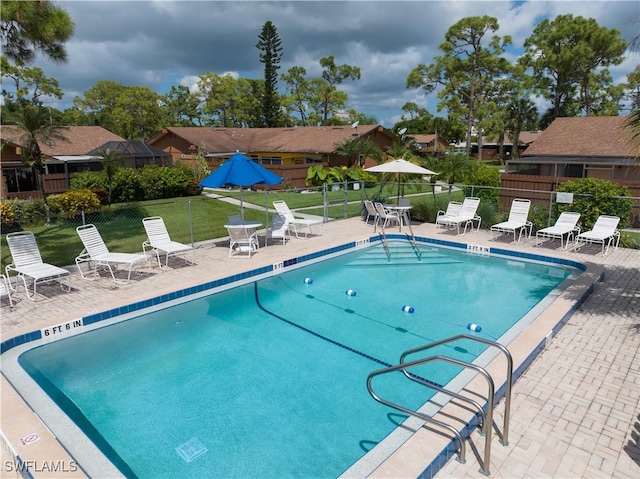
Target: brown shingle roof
(320,139)
(82,139)
(592,136)
(424,138)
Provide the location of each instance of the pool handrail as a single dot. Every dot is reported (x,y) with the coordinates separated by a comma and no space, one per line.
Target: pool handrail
(462,451)
(509,380)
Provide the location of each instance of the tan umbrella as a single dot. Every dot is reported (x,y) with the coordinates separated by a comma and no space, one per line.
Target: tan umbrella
(400,166)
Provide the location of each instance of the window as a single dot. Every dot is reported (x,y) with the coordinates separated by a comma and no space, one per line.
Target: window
(573,171)
(19,179)
(271,160)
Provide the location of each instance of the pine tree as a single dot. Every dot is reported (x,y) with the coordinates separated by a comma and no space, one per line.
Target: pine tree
(271,47)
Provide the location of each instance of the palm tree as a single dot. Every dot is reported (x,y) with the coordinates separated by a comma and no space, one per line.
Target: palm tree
(110,165)
(35,128)
(455,169)
(357,149)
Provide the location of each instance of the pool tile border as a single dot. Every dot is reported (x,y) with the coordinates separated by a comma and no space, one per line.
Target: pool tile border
(186,292)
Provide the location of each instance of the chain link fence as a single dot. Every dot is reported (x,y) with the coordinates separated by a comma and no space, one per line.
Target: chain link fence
(200,220)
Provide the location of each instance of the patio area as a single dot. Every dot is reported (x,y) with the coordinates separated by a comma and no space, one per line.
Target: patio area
(574,413)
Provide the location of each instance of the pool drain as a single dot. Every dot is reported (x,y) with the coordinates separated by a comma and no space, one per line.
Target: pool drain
(191,449)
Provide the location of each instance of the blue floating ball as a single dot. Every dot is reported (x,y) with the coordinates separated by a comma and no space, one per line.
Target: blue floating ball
(350,292)
(474,327)
(308,281)
(408,309)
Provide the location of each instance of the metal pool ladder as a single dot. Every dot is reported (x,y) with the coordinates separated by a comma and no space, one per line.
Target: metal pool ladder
(487,417)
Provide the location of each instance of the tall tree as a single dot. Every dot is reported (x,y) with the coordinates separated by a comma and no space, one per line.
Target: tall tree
(28,27)
(564,54)
(181,106)
(297,93)
(32,118)
(270,46)
(329,98)
(467,69)
(138,114)
(99,103)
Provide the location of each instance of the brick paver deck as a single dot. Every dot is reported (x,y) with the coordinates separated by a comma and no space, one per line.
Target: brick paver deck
(575,412)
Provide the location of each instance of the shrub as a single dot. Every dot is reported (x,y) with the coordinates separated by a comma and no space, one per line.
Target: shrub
(160,182)
(427,211)
(488,211)
(89,181)
(539,217)
(594,197)
(28,210)
(485,175)
(73,202)
(126,187)
(7,215)
(102,195)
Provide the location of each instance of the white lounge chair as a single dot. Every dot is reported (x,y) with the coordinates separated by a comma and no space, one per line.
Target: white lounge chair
(294,223)
(28,264)
(453,208)
(5,288)
(466,215)
(96,254)
(243,240)
(279,229)
(605,230)
(371,212)
(385,216)
(159,241)
(517,222)
(566,224)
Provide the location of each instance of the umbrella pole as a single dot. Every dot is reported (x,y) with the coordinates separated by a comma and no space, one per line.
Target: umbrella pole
(241,205)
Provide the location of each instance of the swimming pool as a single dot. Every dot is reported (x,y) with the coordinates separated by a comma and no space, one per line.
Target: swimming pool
(331,331)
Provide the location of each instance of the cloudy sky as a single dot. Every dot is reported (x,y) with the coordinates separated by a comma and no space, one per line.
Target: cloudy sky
(162,43)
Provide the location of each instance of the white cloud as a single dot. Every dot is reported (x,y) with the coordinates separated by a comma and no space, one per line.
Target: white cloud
(163,43)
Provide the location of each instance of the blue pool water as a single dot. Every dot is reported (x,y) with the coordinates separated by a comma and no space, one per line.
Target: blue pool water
(268,379)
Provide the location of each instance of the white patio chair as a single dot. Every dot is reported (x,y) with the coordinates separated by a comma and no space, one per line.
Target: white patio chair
(294,223)
(605,230)
(385,217)
(96,254)
(28,264)
(243,240)
(279,229)
(371,212)
(517,222)
(566,224)
(5,288)
(466,215)
(159,241)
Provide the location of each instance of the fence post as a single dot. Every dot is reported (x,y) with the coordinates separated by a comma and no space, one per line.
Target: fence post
(325,203)
(266,208)
(191,224)
(550,208)
(346,199)
(83,223)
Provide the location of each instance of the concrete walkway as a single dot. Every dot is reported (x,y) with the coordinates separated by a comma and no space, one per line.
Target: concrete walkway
(575,413)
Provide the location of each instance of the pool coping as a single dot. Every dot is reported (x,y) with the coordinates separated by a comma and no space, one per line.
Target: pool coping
(101,319)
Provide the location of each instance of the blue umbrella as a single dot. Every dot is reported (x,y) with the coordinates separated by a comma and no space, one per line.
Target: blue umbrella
(240,170)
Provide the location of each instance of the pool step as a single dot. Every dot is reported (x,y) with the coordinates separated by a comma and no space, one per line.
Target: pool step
(401,255)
